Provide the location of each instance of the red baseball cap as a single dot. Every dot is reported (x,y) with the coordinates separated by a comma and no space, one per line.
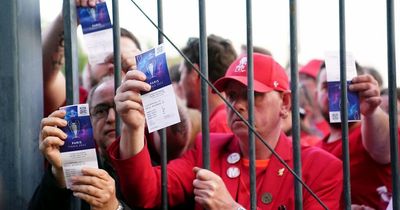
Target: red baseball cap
(311,68)
(268,74)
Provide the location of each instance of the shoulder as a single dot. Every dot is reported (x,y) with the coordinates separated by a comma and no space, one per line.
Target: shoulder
(313,156)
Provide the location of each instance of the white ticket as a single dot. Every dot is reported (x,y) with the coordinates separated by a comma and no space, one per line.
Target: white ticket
(159,103)
(79,149)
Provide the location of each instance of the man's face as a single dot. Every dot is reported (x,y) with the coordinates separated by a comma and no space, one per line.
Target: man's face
(98,71)
(103,115)
(267,110)
(322,94)
(189,83)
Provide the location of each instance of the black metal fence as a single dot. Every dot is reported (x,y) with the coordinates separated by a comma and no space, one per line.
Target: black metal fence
(19,135)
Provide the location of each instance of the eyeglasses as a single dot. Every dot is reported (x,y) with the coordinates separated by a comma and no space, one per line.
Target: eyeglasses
(101,110)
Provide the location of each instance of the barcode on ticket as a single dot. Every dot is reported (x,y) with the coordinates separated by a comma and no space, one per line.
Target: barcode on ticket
(334,117)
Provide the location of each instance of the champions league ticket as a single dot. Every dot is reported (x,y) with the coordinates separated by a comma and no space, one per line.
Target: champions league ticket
(97,31)
(332,62)
(79,149)
(159,103)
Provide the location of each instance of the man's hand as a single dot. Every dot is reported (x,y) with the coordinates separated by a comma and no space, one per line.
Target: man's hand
(96,187)
(87,3)
(210,191)
(369,93)
(128,60)
(128,101)
(375,122)
(50,139)
(129,106)
(360,207)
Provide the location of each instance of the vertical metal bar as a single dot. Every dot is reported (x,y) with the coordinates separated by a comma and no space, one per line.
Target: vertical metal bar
(295,104)
(343,108)
(163,144)
(117,57)
(250,101)
(160,21)
(71,64)
(394,153)
(204,87)
(21,99)
(71,52)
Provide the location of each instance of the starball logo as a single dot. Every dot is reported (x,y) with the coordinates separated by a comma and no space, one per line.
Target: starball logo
(241,67)
(276,83)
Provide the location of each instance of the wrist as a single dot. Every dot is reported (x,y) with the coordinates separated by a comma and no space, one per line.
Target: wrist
(59,176)
(131,143)
(237,206)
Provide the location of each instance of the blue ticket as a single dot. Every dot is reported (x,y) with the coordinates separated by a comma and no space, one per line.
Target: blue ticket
(332,61)
(153,64)
(79,128)
(353,103)
(94,19)
(159,103)
(79,149)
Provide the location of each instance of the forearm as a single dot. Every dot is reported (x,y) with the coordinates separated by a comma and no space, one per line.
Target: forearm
(139,187)
(53,59)
(132,141)
(52,48)
(58,176)
(376,135)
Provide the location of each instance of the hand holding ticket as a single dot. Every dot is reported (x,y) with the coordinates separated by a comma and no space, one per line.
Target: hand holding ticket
(332,62)
(79,148)
(97,31)
(159,103)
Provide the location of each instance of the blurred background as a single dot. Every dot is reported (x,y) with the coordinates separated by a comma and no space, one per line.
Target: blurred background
(318,26)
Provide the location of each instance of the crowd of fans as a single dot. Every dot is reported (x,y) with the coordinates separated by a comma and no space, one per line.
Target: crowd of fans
(129,175)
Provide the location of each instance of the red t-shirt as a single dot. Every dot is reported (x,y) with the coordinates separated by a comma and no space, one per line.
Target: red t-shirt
(308,139)
(323,127)
(366,175)
(83,95)
(218,120)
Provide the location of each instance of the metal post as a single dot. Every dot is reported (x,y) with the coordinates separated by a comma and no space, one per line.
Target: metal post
(21,99)
(204,88)
(250,101)
(394,153)
(163,144)
(71,52)
(343,107)
(71,64)
(295,104)
(117,58)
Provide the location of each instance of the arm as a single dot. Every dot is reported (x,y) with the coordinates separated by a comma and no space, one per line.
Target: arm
(129,107)
(210,191)
(53,60)
(375,122)
(51,193)
(141,182)
(50,139)
(97,188)
(54,90)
